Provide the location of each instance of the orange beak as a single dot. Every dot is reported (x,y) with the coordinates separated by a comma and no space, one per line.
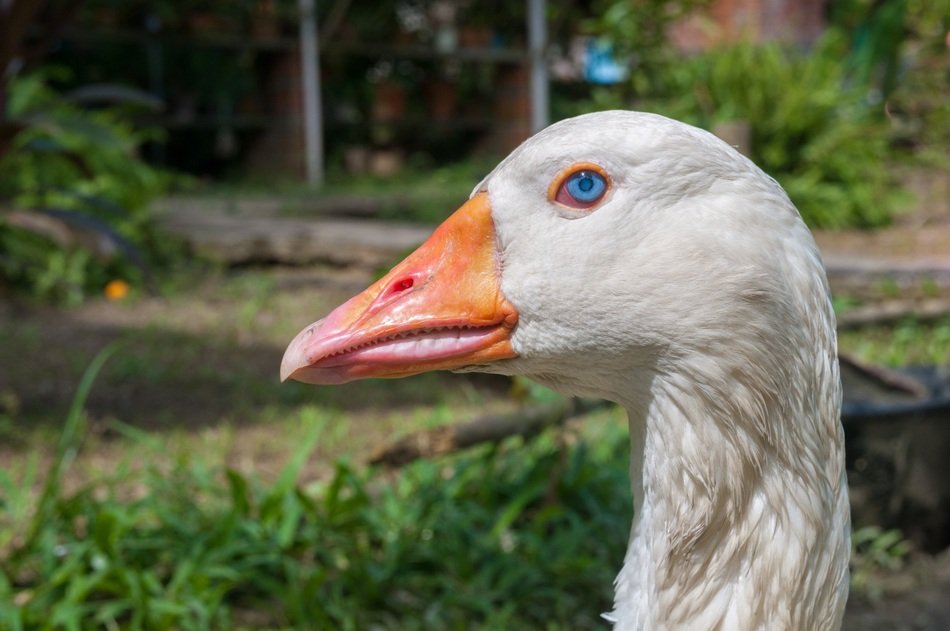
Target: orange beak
(440,309)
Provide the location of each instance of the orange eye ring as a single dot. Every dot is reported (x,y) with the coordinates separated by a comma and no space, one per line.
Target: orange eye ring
(594,176)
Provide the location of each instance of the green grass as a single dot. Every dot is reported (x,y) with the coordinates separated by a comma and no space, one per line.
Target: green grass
(241,510)
(908,342)
(516,536)
(420,192)
(520,535)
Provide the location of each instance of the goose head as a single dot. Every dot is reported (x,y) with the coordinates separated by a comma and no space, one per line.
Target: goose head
(679,245)
(630,257)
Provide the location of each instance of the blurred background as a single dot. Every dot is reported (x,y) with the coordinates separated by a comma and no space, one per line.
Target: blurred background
(185,184)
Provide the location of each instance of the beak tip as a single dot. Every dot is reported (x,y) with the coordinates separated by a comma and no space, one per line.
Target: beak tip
(287,368)
(294,358)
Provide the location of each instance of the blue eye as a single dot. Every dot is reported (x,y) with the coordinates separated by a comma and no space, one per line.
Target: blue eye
(581,189)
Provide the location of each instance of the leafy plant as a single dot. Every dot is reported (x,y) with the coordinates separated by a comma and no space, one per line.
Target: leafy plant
(73,196)
(815,119)
(520,536)
(918,106)
(639,32)
(873,550)
(876,32)
(811,130)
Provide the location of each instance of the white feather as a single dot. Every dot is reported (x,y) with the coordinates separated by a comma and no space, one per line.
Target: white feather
(694,296)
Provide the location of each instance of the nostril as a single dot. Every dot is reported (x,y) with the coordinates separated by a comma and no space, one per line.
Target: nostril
(402,285)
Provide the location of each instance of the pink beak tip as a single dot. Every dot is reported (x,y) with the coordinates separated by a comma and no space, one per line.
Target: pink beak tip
(295,357)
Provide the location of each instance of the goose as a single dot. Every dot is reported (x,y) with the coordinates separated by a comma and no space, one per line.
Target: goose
(634,258)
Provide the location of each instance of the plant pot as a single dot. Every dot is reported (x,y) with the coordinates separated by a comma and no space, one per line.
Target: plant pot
(386,162)
(209,23)
(389,101)
(474,37)
(356,159)
(441,99)
(264,25)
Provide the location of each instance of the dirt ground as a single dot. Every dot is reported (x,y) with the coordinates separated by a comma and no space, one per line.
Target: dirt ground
(199,368)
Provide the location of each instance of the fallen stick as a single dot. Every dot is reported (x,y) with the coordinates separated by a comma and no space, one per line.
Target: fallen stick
(880,378)
(894,311)
(529,421)
(495,428)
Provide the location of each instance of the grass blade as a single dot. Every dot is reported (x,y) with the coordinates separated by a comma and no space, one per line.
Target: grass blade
(66,448)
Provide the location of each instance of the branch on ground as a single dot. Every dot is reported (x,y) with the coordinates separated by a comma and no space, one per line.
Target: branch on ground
(894,311)
(486,429)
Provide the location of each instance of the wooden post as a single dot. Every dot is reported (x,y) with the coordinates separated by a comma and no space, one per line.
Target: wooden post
(312,110)
(537,53)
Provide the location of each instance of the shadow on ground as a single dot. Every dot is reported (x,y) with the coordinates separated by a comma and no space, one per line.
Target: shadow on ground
(162,378)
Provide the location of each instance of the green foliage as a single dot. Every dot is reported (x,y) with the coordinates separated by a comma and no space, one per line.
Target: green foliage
(523,536)
(73,196)
(908,342)
(874,550)
(876,31)
(918,106)
(816,118)
(820,138)
(65,153)
(639,31)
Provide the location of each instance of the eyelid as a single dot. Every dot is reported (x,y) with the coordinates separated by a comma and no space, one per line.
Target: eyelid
(561,177)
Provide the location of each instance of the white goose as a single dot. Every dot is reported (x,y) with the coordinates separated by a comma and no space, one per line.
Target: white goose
(627,256)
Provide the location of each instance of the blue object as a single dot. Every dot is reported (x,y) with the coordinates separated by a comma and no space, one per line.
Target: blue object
(600,66)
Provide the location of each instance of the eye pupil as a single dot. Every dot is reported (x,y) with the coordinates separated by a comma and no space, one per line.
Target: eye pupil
(586,183)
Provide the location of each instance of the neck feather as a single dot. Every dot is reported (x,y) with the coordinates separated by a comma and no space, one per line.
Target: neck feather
(741,510)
